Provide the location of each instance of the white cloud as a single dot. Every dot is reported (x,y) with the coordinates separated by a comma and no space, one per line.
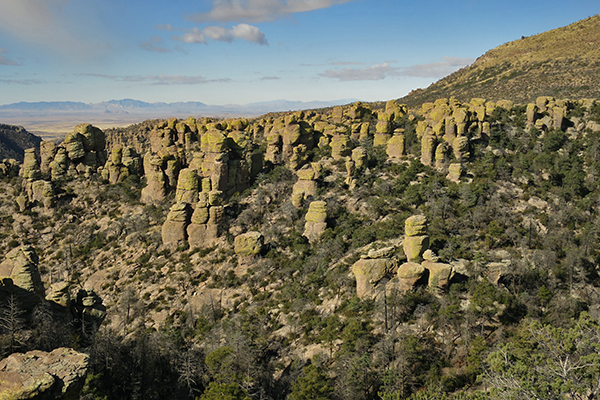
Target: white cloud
(194,36)
(241,31)
(259,10)
(218,33)
(438,69)
(373,73)
(249,33)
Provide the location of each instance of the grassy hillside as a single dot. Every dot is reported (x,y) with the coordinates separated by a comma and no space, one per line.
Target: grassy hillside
(563,62)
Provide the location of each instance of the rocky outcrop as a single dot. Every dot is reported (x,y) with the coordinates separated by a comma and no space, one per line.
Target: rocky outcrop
(395,146)
(410,275)
(58,375)
(123,162)
(187,186)
(306,185)
(21,267)
(31,167)
(174,228)
(315,221)
(205,226)
(371,270)
(82,152)
(155,190)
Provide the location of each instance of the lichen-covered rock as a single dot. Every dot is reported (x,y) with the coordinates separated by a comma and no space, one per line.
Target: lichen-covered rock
(36,374)
(440,274)
(187,186)
(21,266)
(414,246)
(74,145)
(409,275)
(395,146)
(441,156)
(59,294)
(315,220)
(368,273)
(428,144)
(340,147)
(174,228)
(359,156)
(155,190)
(248,244)
(42,192)
(213,141)
(47,153)
(31,168)
(455,171)
(415,225)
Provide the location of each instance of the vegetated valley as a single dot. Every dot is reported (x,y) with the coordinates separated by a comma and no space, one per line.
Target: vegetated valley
(449,251)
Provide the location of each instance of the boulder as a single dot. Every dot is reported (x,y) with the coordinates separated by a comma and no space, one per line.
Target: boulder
(440,274)
(414,246)
(248,244)
(455,171)
(395,146)
(409,274)
(368,273)
(315,220)
(21,266)
(415,225)
(36,374)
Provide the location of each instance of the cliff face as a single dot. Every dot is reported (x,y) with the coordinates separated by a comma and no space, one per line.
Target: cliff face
(562,62)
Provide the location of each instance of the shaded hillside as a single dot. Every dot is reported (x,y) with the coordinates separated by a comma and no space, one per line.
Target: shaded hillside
(563,62)
(14,140)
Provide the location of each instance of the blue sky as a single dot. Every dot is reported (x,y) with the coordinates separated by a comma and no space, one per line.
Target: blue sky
(243,51)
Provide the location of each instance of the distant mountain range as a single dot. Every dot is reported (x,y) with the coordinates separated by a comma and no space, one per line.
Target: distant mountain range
(563,63)
(58,117)
(131,106)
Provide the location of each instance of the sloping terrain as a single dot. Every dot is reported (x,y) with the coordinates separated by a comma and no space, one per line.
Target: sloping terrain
(563,62)
(14,140)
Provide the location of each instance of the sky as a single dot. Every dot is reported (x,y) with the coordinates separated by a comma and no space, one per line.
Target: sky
(245,51)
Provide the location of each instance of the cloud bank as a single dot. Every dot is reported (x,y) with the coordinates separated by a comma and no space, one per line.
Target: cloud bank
(160,79)
(439,69)
(220,33)
(373,73)
(259,10)
(378,72)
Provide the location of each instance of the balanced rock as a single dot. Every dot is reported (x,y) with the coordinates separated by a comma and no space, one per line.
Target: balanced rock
(36,374)
(187,186)
(31,168)
(416,240)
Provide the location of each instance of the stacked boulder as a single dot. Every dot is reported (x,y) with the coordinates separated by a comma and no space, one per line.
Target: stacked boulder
(289,139)
(421,262)
(306,186)
(205,224)
(155,190)
(315,221)
(123,162)
(548,113)
(82,152)
(174,227)
(36,189)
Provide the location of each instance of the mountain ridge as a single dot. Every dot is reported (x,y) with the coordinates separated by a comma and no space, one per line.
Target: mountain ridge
(562,62)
